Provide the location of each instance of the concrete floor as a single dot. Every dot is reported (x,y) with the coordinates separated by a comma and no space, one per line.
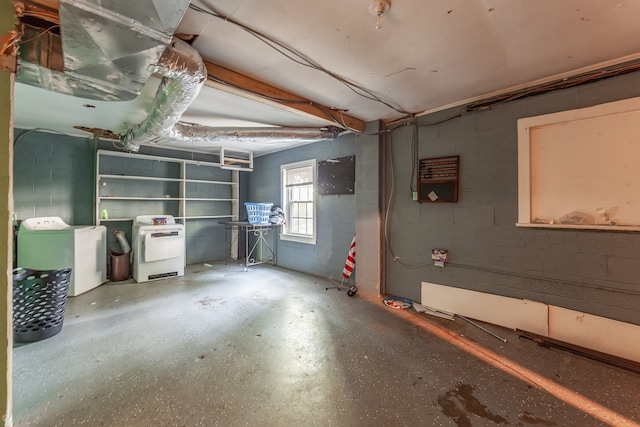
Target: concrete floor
(272,347)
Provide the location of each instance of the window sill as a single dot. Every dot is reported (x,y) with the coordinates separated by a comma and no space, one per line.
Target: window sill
(581,226)
(298,238)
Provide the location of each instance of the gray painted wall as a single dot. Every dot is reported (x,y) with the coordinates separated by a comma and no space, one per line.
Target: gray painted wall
(592,271)
(596,272)
(336,214)
(54,175)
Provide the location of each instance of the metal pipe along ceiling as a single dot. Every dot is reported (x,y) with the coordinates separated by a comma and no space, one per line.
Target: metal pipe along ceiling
(183,75)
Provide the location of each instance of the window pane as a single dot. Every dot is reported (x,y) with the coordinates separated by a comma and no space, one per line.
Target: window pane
(298,200)
(299,175)
(301,218)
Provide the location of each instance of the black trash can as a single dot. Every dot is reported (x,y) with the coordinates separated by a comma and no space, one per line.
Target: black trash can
(39,302)
(119,266)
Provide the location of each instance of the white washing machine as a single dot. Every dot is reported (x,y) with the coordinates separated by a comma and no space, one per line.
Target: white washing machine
(48,243)
(158,247)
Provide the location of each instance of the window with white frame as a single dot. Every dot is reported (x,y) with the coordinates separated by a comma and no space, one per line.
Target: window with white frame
(299,201)
(580,168)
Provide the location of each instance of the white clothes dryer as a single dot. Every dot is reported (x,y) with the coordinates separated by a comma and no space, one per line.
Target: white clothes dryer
(48,243)
(158,247)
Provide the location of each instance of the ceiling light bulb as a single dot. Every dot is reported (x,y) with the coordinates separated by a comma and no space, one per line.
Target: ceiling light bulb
(379,8)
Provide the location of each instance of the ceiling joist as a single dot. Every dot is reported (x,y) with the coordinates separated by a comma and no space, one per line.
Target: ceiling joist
(51,5)
(221,78)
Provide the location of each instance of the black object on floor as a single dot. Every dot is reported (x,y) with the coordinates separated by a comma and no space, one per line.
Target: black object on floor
(39,303)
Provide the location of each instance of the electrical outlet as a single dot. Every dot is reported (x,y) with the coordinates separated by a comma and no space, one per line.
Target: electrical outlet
(439,257)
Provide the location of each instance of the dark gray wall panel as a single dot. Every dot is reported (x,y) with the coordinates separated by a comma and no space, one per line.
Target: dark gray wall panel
(53,176)
(336,214)
(593,271)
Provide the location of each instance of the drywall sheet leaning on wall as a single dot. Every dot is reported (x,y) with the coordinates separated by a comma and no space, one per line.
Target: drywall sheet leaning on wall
(508,312)
(598,333)
(573,327)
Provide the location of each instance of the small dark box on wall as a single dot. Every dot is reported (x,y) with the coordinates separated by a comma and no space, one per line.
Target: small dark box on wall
(438,179)
(337,176)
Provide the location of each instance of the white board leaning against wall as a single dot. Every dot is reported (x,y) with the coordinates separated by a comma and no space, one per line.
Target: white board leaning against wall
(581,168)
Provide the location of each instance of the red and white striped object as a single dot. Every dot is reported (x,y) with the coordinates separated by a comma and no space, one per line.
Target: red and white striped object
(351,260)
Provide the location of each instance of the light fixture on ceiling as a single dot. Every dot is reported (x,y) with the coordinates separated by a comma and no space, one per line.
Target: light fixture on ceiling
(379,8)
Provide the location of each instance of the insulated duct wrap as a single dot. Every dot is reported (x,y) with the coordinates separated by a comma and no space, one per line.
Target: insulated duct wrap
(259,135)
(183,74)
(109,49)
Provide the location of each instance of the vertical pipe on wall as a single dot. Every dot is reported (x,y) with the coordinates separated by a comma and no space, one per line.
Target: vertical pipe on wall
(96,211)
(235,212)
(382,168)
(96,187)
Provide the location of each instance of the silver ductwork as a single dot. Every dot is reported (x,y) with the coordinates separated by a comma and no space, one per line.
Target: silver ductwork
(183,75)
(259,135)
(41,65)
(114,42)
(107,51)
(106,48)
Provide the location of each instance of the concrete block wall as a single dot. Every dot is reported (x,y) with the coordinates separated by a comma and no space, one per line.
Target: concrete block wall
(54,175)
(206,237)
(597,272)
(138,188)
(335,214)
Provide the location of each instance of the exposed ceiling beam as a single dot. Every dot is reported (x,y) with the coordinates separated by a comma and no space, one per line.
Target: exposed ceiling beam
(238,84)
(51,5)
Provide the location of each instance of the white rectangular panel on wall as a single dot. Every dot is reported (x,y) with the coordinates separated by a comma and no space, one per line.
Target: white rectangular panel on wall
(598,333)
(581,329)
(581,168)
(525,315)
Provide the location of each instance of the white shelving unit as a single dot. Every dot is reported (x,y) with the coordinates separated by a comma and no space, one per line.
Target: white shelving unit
(128,185)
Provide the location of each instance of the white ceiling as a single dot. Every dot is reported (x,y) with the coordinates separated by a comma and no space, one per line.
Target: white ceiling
(428,55)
